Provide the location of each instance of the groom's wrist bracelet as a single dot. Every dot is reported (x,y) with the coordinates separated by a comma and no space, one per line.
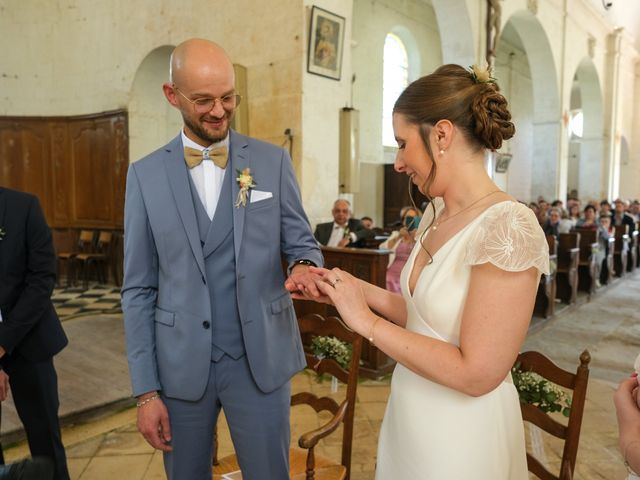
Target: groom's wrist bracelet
(141,403)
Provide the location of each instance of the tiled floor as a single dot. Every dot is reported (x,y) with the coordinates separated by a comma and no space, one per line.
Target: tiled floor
(73,302)
(609,326)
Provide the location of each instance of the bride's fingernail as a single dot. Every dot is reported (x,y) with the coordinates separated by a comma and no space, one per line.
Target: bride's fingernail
(634,374)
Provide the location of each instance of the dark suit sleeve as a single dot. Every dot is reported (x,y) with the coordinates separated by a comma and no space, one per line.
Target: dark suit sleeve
(362,233)
(39,280)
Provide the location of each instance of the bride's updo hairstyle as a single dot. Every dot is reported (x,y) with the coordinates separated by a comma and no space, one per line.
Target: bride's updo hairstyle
(470,99)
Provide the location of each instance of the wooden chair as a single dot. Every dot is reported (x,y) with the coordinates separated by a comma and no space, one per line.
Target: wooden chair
(588,268)
(570,433)
(606,269)
(568,258)
(67,259)
(304,463)
(98,259)
(545,297)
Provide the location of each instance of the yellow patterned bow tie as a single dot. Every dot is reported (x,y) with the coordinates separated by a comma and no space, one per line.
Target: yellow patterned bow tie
(194,157)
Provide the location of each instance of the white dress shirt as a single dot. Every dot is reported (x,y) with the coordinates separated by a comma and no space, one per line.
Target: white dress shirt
(337,234)
(207,177)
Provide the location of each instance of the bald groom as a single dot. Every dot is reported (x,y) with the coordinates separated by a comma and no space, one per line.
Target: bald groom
(208,321)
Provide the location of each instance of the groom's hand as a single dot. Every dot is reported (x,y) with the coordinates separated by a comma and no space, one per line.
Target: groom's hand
(301,283)
(153,421)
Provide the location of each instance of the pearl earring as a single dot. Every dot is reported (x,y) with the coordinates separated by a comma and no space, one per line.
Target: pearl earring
(441,151)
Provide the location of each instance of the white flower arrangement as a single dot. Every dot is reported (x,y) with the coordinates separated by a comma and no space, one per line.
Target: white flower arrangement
(331,347)
(536,390)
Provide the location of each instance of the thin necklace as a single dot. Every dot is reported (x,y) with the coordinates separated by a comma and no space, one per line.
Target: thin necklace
(439,221)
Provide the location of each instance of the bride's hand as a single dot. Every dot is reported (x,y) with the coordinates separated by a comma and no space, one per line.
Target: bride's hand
(345,292)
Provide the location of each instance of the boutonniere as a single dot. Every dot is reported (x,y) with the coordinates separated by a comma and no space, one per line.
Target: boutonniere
(2,233)
(346,233)
(246,183)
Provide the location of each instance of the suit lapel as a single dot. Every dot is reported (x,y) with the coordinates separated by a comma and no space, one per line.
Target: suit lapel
(239,159)
(178,176)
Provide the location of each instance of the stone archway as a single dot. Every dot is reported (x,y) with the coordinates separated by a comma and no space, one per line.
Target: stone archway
(586,168)
(456,34)
(528,78)
(152,121)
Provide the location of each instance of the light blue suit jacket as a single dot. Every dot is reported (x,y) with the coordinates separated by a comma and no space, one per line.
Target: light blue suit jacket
(164,273)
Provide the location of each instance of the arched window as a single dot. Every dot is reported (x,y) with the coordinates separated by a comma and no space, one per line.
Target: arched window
(395,79)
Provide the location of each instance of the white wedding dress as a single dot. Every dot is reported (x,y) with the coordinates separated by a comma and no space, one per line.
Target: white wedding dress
(429,431)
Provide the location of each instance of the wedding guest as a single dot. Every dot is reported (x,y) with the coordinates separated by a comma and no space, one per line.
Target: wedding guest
(30,331)
(344,231)
(626,401)
(401,242)
(589,218)
(550,226)
(574,214)
(620,217)
(367,222)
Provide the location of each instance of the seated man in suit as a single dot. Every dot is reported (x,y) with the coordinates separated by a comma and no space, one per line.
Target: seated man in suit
(344,231)
(620,217)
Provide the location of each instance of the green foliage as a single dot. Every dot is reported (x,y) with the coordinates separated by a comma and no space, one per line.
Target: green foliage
(331,347)
(535,390)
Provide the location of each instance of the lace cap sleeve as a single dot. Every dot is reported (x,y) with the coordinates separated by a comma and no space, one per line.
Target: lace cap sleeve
(509,237)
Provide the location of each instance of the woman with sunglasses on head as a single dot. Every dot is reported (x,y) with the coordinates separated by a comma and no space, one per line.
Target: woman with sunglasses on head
(468,291)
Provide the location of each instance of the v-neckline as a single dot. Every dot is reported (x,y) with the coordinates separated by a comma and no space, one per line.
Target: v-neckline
(445,244)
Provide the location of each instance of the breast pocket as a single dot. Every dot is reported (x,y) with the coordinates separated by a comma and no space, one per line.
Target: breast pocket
(261,204)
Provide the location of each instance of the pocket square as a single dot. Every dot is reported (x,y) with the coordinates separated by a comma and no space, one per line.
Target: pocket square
(258,196)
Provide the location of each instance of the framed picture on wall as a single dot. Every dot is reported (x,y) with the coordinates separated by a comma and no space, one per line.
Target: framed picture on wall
(326,43)
(502,162)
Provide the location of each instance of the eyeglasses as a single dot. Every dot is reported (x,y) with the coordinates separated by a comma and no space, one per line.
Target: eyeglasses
(206,104)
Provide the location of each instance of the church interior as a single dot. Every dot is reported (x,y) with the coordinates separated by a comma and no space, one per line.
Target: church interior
(82,99)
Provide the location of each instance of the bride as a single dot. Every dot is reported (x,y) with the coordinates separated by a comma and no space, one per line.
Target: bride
(468,291)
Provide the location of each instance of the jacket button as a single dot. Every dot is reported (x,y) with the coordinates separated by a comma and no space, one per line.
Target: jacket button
(201,243)
(204,280)
(206,325)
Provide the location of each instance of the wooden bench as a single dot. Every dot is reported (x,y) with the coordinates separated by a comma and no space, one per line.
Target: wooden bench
(567,275)
(545,297)
(632,261)
(588,268)
(621,250)
(606,269)
(638,246)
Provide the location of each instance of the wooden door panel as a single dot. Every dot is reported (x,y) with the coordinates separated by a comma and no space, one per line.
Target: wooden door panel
(77,166)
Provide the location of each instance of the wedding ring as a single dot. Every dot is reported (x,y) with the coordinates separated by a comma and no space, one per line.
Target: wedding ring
(333,284)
